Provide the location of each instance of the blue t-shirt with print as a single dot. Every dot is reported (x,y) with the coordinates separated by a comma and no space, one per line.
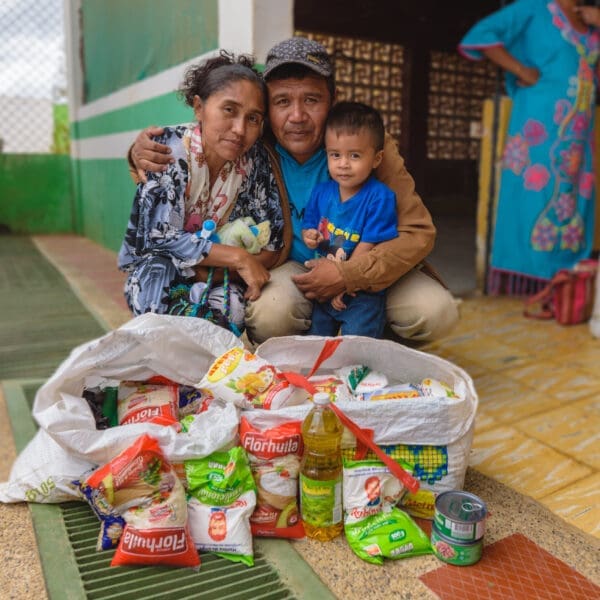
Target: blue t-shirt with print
(300,179)
(368,216)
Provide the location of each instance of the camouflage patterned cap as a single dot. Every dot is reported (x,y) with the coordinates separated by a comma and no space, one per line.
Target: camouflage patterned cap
(299,50)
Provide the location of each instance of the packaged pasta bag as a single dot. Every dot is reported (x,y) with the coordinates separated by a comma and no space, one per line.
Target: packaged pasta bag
(111,522)
(143,402)
(249,381)
(374,527)
(141,485)
(274,447)
(221,498)
(193,401)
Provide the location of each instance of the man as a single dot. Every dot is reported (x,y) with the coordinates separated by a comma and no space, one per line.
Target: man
(301,88)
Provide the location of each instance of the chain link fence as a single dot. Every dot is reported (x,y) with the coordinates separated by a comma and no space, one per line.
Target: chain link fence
(33,108)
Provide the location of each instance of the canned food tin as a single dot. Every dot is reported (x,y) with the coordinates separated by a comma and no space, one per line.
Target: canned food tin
(460,516)
(452,552)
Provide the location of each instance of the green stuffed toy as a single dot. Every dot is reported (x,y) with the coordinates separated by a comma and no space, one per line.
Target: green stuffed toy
(244,233)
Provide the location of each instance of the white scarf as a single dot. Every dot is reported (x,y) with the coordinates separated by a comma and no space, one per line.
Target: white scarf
(201,202)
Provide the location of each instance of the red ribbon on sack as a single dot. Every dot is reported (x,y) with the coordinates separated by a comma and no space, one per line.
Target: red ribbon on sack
(364,436)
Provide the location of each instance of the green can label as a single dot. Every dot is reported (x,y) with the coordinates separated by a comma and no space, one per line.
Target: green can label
(453,553)
(321,501)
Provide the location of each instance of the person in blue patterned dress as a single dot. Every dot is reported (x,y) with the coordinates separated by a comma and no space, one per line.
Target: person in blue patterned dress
(219,173)
(545,216)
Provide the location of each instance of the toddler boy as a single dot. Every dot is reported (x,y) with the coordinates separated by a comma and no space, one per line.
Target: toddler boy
(349,214)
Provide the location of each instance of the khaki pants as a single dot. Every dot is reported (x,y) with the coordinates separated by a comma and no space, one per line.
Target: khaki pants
(418,307)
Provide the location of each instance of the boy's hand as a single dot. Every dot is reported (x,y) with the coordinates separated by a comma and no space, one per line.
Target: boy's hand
(311,237)
(148,155)
(338,302)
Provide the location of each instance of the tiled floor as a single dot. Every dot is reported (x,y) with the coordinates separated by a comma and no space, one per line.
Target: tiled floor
(538,424)
(512,568)
(536,440)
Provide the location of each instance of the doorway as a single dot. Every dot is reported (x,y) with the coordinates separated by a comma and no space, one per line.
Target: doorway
(401,57)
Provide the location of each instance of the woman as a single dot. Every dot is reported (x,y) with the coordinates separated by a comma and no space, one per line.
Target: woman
(219,173)
(545,216)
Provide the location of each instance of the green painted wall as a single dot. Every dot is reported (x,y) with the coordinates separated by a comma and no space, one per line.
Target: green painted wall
(167,109)
(125,42)
(36,193)
(104,197)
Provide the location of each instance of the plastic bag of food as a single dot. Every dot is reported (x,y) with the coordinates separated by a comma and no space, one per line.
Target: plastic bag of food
(375,529)
(334,386)
(387,534)
(193,401)
(274,448)
(142,486)
(361,379)
(222,497)
(248,381)
(369,487)
(142,402)
(68,441)
(112,523)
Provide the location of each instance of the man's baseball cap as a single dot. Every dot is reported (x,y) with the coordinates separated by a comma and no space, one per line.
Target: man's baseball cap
(301,51)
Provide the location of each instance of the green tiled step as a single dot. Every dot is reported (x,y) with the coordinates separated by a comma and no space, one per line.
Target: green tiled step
(74,570)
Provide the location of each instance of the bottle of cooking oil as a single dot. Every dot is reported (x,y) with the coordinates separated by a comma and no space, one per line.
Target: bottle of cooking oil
(321,471)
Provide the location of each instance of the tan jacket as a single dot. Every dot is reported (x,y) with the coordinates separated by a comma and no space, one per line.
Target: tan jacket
(387,261)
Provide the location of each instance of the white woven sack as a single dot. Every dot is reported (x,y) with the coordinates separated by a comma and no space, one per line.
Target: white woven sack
(433,421)
(180,348)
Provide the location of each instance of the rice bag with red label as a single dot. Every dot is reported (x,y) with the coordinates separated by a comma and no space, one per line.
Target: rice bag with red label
(142,402)
(274,454)
(248,381)
(143,487)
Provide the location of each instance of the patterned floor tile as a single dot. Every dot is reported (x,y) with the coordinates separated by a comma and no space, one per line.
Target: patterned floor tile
(578,504)
(573,430)
(484,421)
(522,463)
(586,358)
(473,369)
(556,379)
(509,401)
(513,568)
(487,352)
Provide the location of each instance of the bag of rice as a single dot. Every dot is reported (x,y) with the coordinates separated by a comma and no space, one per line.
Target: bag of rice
(374,528)
(274,447)
(142,486)
(221,499)
(142,402)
